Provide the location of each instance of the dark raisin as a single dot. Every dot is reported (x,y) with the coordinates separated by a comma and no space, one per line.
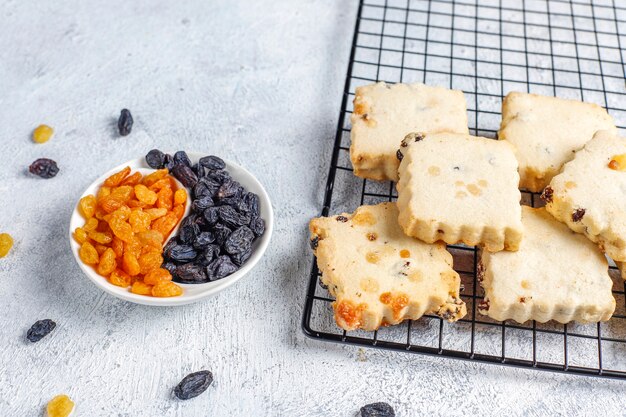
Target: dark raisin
(212,162)
(40,329)
(239,241)
(188,233)
(377,410)
(578,214)
(205,187)
(125,122)
(258,226)
(181,253)
(201,204)
(155,159)
(228,189)
(547,194)
(399,155)
(185,175)
(170,266)
(210,252)
(190,273)
(211,215)
(342,219)
(221,233)
(190,219)
(194,168)
(44,168)
(181,158)
(168,162)
(239,258)
(193,385)
(483,305)
(203,239)
(314,242)
(249,204)
(168,246)
(220,268)
(219,175)
(232,219)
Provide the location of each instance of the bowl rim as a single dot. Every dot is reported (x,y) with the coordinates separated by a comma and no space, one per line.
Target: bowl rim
(207,289)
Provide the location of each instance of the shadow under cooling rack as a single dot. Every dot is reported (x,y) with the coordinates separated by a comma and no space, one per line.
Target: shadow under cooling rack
(487,48)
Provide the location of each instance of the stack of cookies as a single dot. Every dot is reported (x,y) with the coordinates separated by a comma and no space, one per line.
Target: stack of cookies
(388,263)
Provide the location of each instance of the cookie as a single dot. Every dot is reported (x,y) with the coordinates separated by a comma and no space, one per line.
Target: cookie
(556,274)
(589,194)
(380,276)
(385,113)
(546,131)
(459,188)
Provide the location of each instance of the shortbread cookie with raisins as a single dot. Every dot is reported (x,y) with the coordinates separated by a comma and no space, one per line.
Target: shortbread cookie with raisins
(589,195)
(546,131)
(385,113)
(556,274)
(459,188)
(380,276)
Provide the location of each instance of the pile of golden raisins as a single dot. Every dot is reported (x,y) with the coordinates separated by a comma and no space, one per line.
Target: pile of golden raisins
(126,225)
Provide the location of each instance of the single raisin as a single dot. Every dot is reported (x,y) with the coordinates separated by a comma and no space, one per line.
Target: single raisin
(188,234)
(6,243)
(220,268)
(230,217)
(156,276)
(399,155)
(40,329)
(182,253)
(166,289)
(117,178)
(155,159)
(193,385)
(211,215)
(258,226)
(42,134)
(221,233)
(212,162)
(141,288)
(180,197)
(181,158)
(87,206)
(377,410)
(239,241)
(342,219)
(185,175)
(203,239)
(208,255)
(125,122)
(60,406)
(578,214)
(168,162)
(249,204)
(547,194)
(44,168)
(201,204)
(219,175)
(228,189)
(190,273)
(205,187)
(239,258)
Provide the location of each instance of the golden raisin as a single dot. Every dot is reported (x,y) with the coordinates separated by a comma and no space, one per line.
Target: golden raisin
(136,204)
(119,278)
(134,247)
(130,264)
(110,203)
(150,179)
(162,183)
(145,195)
(115,179)
(180,196)
(6,242)
(155,213)
(107,263)
(100,237)
(165,224)
(121,228)
(149,261)
(179,211)
(122,212)
(123,193)
(133,179)
(42,134)
(141,288)
(60,406)
(118,246)
(91,224)
(88,254)
(87,206)
(166,289)
(151,238)
(165,198)
(80,235)
(139,221)
(100,248)
(157,275)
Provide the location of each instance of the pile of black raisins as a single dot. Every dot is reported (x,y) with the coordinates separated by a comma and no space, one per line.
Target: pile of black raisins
(216,238)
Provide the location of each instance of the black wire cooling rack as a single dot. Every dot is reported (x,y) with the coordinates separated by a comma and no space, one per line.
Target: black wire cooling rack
(571,49)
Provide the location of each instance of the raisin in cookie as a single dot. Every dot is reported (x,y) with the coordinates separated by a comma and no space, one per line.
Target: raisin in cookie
(380,276)
(556,274)
(546,131)
(589,194)
(459,188)
(384,113)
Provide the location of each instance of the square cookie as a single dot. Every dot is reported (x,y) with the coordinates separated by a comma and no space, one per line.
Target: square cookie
(556,274)
(459,188)
(380,276)
(589,195)
(546,131)
(385,113)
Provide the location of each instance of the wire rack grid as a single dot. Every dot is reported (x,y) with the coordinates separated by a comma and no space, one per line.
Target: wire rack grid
(565,48)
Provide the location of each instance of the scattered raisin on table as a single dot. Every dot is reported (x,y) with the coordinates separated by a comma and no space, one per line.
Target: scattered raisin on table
(125,122)
(40,329)
(42,134)
(6,243)
(380,409)
(44,168)
(60,406)
(193,385)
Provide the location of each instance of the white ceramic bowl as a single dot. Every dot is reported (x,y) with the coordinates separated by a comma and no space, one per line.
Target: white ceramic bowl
(191,292)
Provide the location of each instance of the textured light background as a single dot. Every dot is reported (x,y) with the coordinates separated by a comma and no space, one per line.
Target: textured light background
(260,83)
